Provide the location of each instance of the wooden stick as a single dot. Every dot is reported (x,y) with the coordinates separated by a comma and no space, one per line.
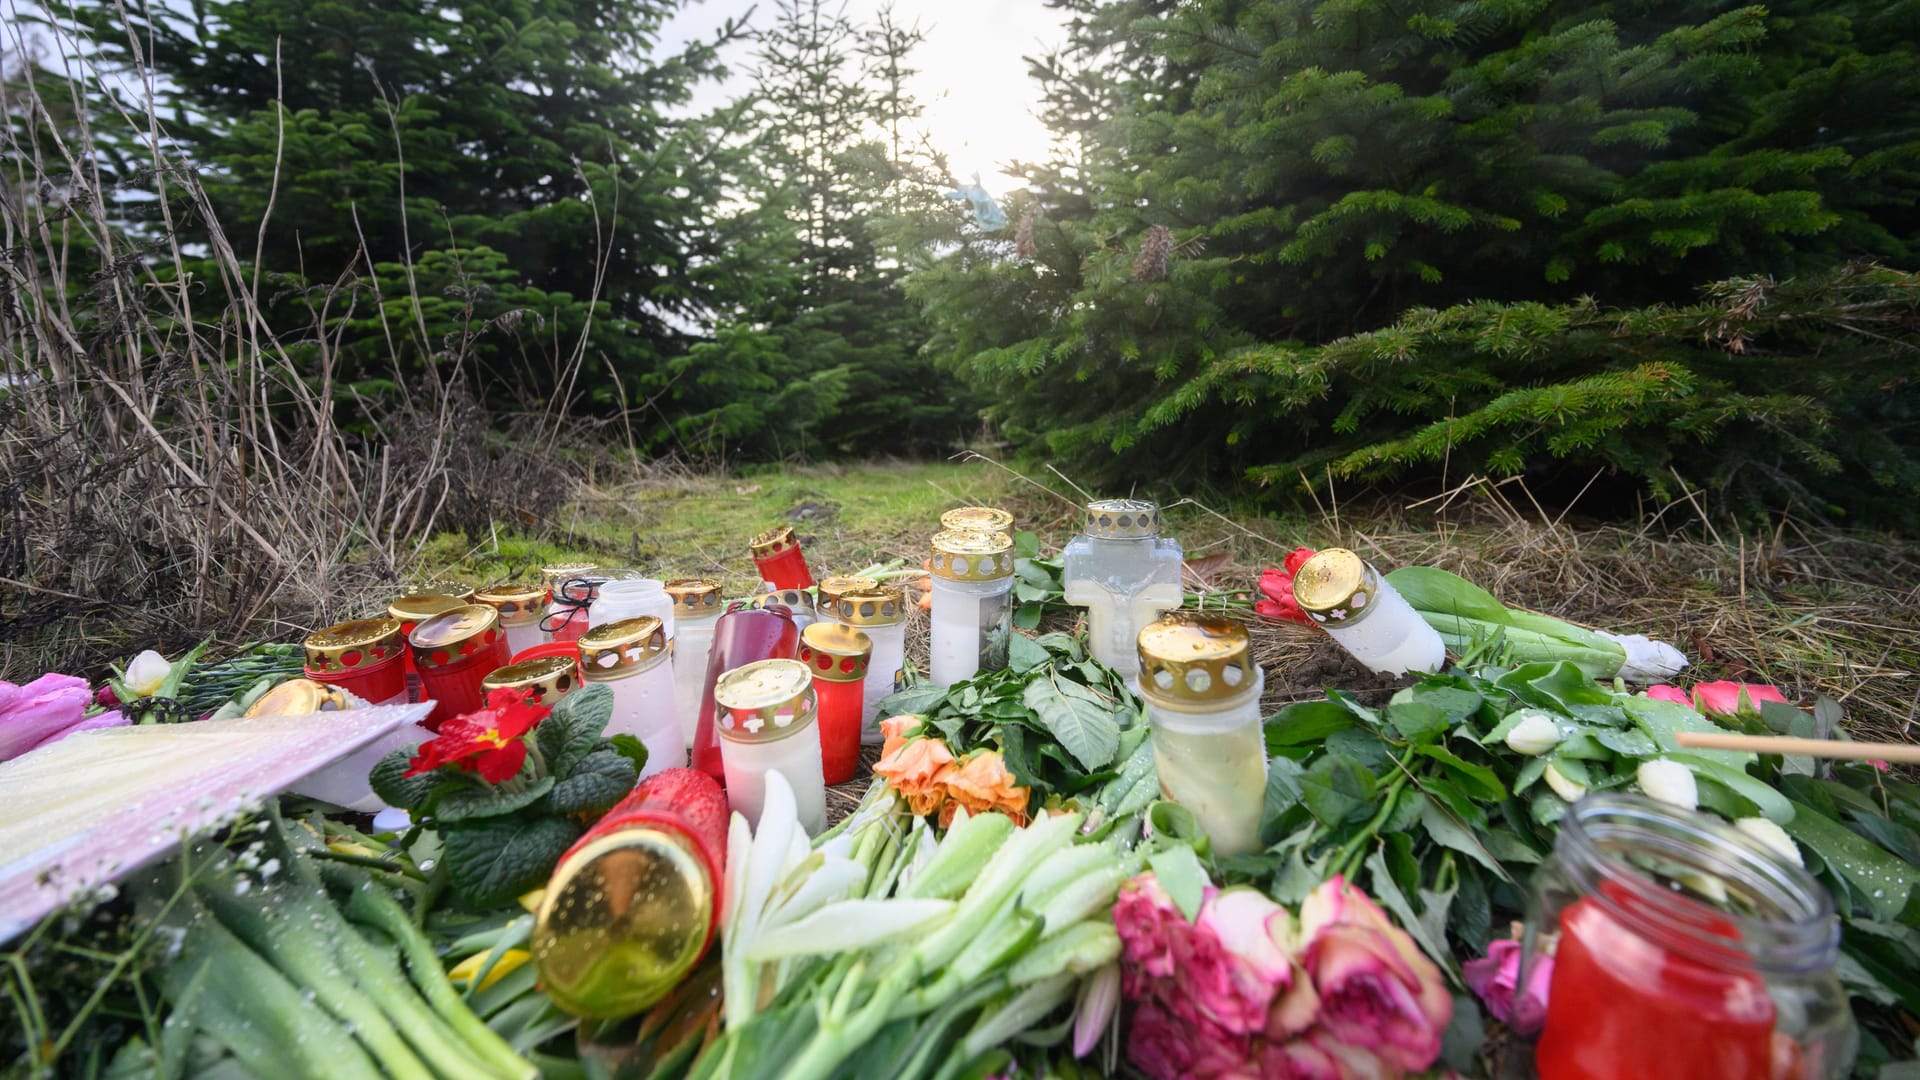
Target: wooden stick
(1782,744)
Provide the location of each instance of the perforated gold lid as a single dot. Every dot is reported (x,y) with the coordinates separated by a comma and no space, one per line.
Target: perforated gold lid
(694,598)
(553,575)
(442,587)
(353,646)
(989,519)
(1190,659)
(616,650)
(438,640)
(765,701)
(883,605)
(972,556)
(772,542)
(840,584)
(799,600)
(518,603)
(415,607)
(1123,519)
(1336,587)
(835,652)
(299,697)
(549,678)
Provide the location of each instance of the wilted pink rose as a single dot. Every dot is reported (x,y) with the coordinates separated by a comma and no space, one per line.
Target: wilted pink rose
(1295,1010)
(33,713)
(1354,1062)
(1167,1047)
(1298,1059)
(1378,992)
(1149,925)
(1669,693)
(1732,698)
(1494,977)
(104,720)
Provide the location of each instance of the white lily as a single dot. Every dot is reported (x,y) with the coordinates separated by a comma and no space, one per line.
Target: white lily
(1535,734)
(1570,790)
(1773,836)
(145,674)
(1669,782)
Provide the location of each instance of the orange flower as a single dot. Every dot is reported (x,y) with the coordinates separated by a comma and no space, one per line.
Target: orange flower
(897,729)
(983,783)
(918,769)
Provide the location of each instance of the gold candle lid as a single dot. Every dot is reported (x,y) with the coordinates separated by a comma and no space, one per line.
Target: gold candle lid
(447,638)
(622,920)
(549,678)
(1188,659)
(455,587)
(617,650)
(416,606)
(839,585)
(972,556)
(1123,519)
(765,701)
(835,652)
(1336,587)
(772,542)
(694,598)
(800,600)
(882,605)
(299,697)
(353,646)
(519,604)
(987,519)
(556,574)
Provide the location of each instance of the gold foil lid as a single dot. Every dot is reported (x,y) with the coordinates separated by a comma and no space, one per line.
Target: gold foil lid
(772,542)
(972,556)
(764,701)
(840,584)
(1123,519)
(622,920)
(1188,658)
(351,646)
(694,598)
(987,519)
(883,605)
(448,637)
(416,606)
(556,574)
(616,650)
(1336,586)
(299,697)
(835,652)
(454,587)
(550,678)
(519,604)
(800,600)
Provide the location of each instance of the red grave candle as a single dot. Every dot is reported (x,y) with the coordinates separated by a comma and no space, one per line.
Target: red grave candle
(455,651)
(739,638)
(412,608)
(782,564)
(838,655)
(364,657)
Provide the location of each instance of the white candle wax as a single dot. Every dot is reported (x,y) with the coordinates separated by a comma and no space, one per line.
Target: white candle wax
(883,674)
(690,650)
(1392,639)
(1215,764)
(795,757)
(970,624)
(643,706)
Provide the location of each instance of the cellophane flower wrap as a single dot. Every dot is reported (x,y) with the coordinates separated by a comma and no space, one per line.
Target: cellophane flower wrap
(1247,990)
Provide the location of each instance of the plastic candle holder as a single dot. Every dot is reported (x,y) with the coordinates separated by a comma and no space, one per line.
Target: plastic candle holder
(1125,574)
(410,609)
(630,598)
(1680,948)
(631,658)
(740,637)
(782,564)
(765,715)
(520,607)
(544,680)
(837,656)
(798,604)
(881,614)
(696,607)
(366,658)
(1202,692)
(1356,606)
(832,589)
(972,576)
(571,587)
(455,651)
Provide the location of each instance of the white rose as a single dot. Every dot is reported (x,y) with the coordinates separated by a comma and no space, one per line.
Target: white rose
(146,673)
(1563,787)
(1773,836)
(1535,734)
(1670,782)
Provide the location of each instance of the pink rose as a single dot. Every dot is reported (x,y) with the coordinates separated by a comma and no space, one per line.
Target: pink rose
(1669,693)
(1378,993)
(1298,1059)
(1148,923)
(1166,1047)
(1733,699)
(31,714)
(1494,977)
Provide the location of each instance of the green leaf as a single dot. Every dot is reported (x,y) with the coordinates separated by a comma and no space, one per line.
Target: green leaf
(1337,791)
(1027,616)
(1663,719)
(1305,722)
(1088,730)
(1064,644)
(1773,805)
(1024,654)
(1395,901)
(1882,881)
(1628,742)
(1449,833)
(1459,705)
(631,748)
(913,701)
(1529,774)
(484,800)
(602,778)
(573,727)
(493,860)
(1179,872)
(1418,721)
(1284,777)
(389,781)
(1559,686)
(1480,781)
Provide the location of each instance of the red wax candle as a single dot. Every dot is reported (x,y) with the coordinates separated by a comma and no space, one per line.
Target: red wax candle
(455,651)
(364,657)
(837,655)
(1621,1005)
(782,564)
(410,609)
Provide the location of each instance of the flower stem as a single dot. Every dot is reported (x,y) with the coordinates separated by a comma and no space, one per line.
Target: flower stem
(1348,859)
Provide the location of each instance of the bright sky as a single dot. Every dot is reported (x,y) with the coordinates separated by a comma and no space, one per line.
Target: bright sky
(980,104)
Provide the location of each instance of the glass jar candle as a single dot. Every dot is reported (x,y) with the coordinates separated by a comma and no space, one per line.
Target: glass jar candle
(635,903)
(630,598)
(1680,948)
(986,519)
(631,658)
(410,609)
(765,714)
(521,607)
(365,657)
(1356,606)
(454,652)
(696,607)
(881,614)
(1202,692)
(571,587)
(797,602)
(740,637)
(838,657)
(972,577)
(1125,574)
(782,564)
(544,680)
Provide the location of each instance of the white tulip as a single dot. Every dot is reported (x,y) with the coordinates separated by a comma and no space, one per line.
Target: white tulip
(1563,787)
(1670,782)
(146,673)
(1535,734)
(1773,836)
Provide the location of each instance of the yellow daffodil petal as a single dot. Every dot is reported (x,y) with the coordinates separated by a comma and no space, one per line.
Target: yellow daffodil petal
(465,970)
